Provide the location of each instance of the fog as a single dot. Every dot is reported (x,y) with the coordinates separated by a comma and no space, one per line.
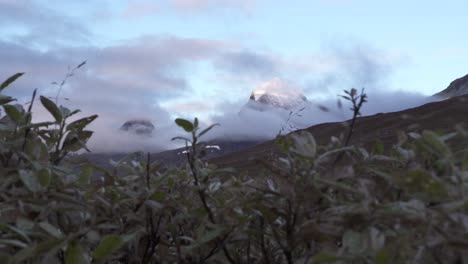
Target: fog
(103,87)
(252,124)
(249,124)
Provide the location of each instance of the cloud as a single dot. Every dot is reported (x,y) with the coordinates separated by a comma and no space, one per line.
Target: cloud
(186,107)
(34,24)
(150,64)
(245,62)
(119,82)
(266,124)
(356,64)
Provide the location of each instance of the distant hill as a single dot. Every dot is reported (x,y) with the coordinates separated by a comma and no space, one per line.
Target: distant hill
(216,148)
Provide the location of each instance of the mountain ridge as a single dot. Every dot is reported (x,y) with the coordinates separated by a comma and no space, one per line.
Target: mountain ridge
(457,87)
(441,115)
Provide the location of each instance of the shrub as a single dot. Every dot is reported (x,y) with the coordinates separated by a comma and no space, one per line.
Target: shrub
(405,207)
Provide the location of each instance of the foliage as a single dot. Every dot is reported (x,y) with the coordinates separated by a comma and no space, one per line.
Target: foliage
(405,205)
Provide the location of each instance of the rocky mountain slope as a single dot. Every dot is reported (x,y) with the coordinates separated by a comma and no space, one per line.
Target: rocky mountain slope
(457,87)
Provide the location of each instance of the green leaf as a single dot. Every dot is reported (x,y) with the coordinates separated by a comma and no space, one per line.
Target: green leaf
(13,112)
(20,233)
(5,99)
(51,230)
(158,196)
(48,246)
(43,176)
(65,111)
(181,138)
(423,184)
(76,141)
(85,175)
(154,205)
(81,123)
(75,254)
(73,112)
(10,80)
(40,124)
(304,144)
(52,108)
(108,245)
(207,237)
(353,242)
(13,242)
(207,129)
(29,180)
(322,257)
(382,257)
(5,258)
(432,143)
(36,149)
(185,124)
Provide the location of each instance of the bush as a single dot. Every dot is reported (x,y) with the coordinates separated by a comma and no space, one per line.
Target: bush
(408,206)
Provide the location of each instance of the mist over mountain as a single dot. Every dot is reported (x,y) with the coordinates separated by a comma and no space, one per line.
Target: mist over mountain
(274,107)
(275,93)
(287,109)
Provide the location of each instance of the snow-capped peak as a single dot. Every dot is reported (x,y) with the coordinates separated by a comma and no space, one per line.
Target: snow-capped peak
(278,93)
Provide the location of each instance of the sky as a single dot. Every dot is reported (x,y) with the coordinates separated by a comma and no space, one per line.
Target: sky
(163,59)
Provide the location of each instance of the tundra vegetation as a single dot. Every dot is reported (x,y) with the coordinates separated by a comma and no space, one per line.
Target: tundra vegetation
(407,204)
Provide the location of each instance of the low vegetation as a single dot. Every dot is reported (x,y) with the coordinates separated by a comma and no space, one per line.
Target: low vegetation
(335,203)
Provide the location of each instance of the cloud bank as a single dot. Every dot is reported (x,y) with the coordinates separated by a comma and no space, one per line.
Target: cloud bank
(130,80)
(262,125)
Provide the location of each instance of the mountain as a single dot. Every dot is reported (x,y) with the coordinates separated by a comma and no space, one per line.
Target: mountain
(456,88)
(275,94)
(138,126)
(438,116)
(243,154)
